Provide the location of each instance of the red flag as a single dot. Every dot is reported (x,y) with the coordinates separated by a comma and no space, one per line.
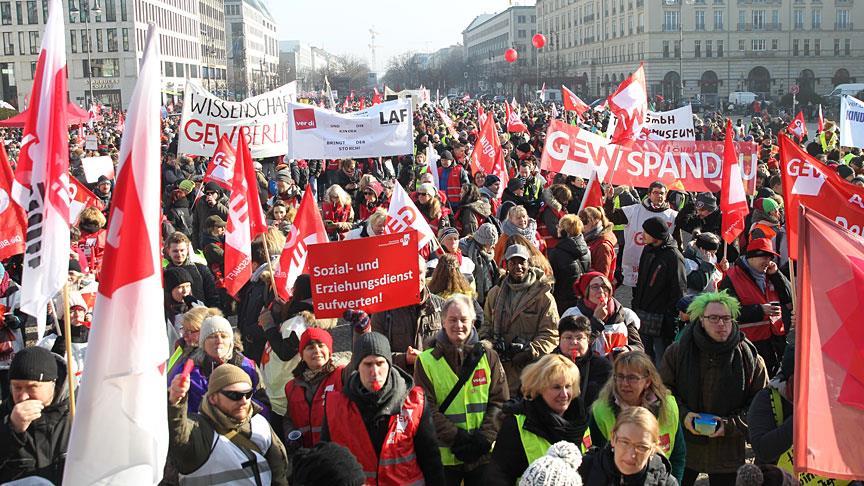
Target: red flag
(806,181)
(500,170)
(345,105)
(81,198)
(127,443)
(308,229)
(121,120)
(630,104)
(593,197)
(13,220)
(466,97)
(376,97)
(798,127)
(43,165)
(245,220)
(362,103)
(487,148)
(829,389)
(733,199)
(221,168)
(514,122)
(821,122)
(573,102)
(481,115)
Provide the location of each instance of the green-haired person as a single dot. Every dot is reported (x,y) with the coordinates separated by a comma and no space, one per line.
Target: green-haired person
(714,372)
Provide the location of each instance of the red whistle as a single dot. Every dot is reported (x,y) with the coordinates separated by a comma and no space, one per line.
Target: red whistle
(187,367)
(376,386)
(573,355)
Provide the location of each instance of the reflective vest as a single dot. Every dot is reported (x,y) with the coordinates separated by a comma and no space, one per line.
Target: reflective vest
(616,203)
(396,463)
(828,143)
(605,417)
(750,294)
(454,183)
(536,446)
(533,187)
(785,461)
(467,410)
(229,464)
(306,417)
(847,158)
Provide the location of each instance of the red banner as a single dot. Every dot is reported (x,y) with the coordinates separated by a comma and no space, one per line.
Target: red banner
(683,165)
(808,182)
(372,274)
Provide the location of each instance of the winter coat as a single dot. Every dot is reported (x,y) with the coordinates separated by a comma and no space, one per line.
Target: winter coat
(485,269)
(526,310)
(203,282)
(598,469)
(602,245)
(619,315)
(251,298)
(414,325)
(769,441)
(41,449)
(661,281)
(470,216)
(181,218)
(569,260)
(200,213)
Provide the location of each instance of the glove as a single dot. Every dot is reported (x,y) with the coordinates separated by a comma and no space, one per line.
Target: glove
(462,446)
(480,443)
(12,321)
(358,319)
(522,358)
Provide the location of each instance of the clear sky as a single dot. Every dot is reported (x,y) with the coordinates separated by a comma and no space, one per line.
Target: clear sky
(342,26)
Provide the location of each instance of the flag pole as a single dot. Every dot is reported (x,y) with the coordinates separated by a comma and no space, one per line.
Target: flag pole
(67,335)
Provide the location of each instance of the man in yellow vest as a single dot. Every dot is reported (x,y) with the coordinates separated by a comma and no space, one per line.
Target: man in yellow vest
(466,386)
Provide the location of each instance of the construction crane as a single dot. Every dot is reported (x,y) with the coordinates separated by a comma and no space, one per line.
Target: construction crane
(372,47)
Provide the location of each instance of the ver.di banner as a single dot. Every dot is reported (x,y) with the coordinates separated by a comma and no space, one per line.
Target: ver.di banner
(372,274)
(681,165)
(263,119)
(378,131)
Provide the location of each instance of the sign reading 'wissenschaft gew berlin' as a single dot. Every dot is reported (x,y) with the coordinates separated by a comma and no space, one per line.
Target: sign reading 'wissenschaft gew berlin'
(378,131)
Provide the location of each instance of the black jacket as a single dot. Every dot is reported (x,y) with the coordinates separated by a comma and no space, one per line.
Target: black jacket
(598,469)
(41,449)
(251,298)
(569,260)
(769,440)
(662,279)
(199,218)
(203,282)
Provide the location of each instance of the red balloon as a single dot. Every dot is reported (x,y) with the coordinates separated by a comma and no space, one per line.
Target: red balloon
(539,40)
(510,55)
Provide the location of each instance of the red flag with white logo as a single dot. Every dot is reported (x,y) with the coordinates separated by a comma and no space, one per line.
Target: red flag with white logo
(573,102)
(81,198)
(514,122)
(481,115)
(308,229)
(593,197)
(127,442)
(798,127)
(13,220)
(733,198)
(487,148)
(630,104)
(245,220)
(362,103)
(403,215)
(221,168)
(41,184)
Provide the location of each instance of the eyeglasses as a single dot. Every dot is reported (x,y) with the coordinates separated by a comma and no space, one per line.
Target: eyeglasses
(716,319)
(369,193)
(628,378)
(598,287)
(235,396)
(641,449)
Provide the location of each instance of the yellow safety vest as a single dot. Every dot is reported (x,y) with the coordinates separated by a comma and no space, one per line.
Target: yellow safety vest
(616,203)
(536,446)
(604,416)
(467,410)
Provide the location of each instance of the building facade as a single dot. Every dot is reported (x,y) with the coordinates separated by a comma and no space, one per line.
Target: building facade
(486,39)
(303,63)
(214,55)
(104,44)
(253,51)
(703,49)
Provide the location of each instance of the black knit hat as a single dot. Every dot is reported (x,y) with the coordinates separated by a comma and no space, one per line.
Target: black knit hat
(326,463)
(515,184)
(33,363)
(175,276)
(372,343)
(656,228)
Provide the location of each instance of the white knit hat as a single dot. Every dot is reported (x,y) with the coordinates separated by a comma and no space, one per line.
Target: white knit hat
(212,325)
(557,468)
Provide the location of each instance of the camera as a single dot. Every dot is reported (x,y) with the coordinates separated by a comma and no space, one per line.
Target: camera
(506,350)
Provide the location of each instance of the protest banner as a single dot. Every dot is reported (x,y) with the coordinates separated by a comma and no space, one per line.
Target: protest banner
(382,130)
(94,167)
(674,124)
(91,142)
(695,166)
(221,168)
(263,119)
(851,122)
(373,274)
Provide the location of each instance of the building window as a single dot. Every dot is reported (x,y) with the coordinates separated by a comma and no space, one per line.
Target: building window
(806,47)
(32,12)
(85,42)
(795,47)
(521,34)
(842,19)
(169,69)
(98,40)
(799,18)
(816,18)
(125,40)
(111,38)
(758,19)
(700,20)
(180,70)
(718,20)
(665,49)
(73,42)
(6,13)
(110,11)
(836,47)
(697,48)
(817,47)
(708,48)
(9,47)
(103,68)
(123,10)
(719,48)
(34,42)
(677,45)
(741,44)
(670,21)
(21,43)
(847,47)
(757,44)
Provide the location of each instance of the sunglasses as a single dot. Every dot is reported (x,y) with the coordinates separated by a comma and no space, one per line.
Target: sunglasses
(235,396)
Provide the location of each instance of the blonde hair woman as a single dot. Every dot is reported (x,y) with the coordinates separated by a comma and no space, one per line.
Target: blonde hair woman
(635,382)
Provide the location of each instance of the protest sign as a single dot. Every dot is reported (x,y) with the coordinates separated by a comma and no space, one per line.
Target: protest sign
(693,166)
(97,166)
(91,142)
(373,274)
(81,197)
(670,125)
(851,122)
(263,119)
(381,130)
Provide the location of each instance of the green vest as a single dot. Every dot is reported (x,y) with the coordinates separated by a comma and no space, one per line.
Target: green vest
(616,203)
(828,143)
(604,416)
(785,462)
(847,158)
(533,445)
(174,357)
(467,410)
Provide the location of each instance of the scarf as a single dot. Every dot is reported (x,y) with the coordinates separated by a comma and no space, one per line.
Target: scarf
(729,357)
(759,277)
(541,420)
(223,423)
(529,232)
(386,401)
(594,233)
(313,377)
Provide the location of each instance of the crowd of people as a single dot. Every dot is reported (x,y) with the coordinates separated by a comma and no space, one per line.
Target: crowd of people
(551,345)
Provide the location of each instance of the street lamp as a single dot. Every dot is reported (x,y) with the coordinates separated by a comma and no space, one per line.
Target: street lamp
(97,10)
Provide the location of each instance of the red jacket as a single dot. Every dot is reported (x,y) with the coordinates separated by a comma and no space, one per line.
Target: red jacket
(750,294)
(308,417)
(93,246)
(453,187)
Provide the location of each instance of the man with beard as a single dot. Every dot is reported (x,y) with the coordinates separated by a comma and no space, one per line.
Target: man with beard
(521,318)
(228,440)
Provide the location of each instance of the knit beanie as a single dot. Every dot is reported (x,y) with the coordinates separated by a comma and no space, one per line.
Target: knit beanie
(369,344)
(558,467)
(316,334)
(515,184)
(326,463)
(186,185)
(749,475)
(224,375)
(175,276)
(766,204)
(656,228)
(585,280)
(212,187)
(491,180)
(486,234)
(33,363)
(707,201)
(212,325)
(445,232)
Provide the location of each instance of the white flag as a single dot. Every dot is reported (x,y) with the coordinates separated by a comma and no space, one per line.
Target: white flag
(432,159)
(120,433)
(851,122)
(403,215)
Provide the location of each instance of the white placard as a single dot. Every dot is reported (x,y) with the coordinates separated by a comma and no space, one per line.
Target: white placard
(381,130)
(264,119)
(670,125)
(91,142)
(851,122)
(97,166)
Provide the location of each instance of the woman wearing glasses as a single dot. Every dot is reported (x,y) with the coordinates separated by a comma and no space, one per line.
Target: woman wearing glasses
(617,326)
(632,456)
(636,383)
(714,372)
